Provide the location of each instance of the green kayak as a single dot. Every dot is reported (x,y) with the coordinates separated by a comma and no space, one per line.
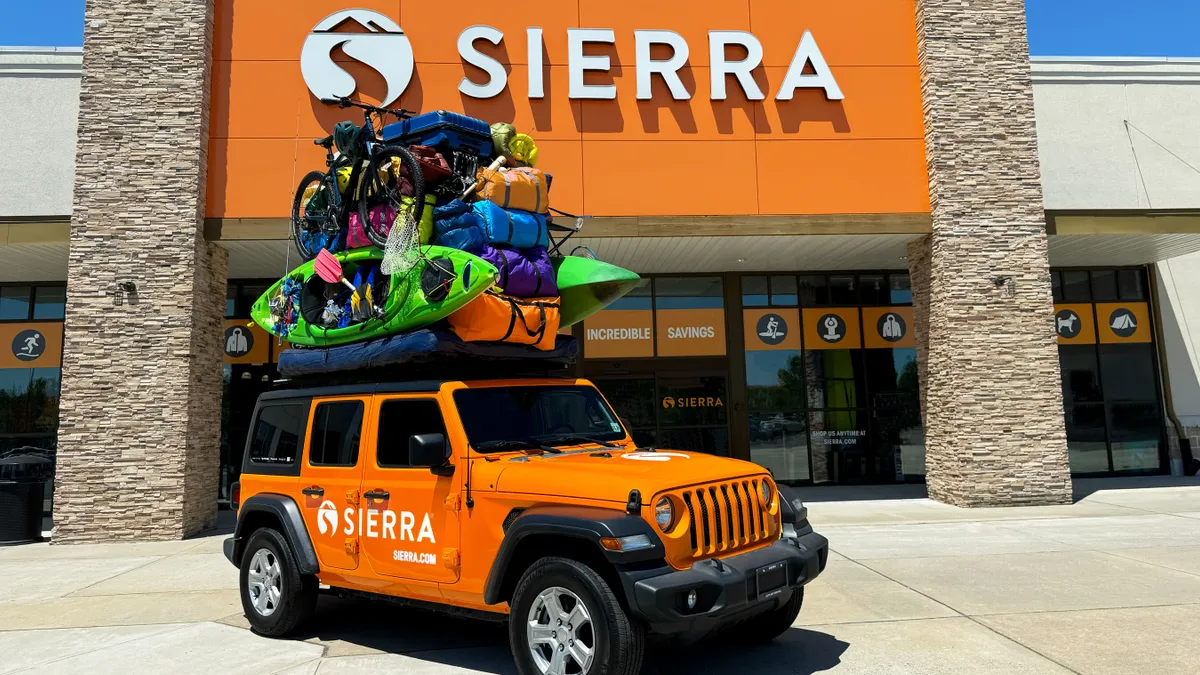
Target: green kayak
(298,306)
(588,286)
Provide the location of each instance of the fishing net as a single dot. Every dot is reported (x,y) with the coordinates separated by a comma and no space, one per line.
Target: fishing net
(403,246)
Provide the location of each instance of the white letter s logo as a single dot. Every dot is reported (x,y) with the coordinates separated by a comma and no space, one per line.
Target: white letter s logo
(327,518)
(385,49)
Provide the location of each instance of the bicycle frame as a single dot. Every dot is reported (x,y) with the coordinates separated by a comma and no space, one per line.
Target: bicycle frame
(358,156)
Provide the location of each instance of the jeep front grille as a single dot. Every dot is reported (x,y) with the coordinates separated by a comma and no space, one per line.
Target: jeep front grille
(725,517)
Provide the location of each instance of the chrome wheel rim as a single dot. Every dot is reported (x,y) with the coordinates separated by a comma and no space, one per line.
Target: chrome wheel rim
(560,633)
(264,582)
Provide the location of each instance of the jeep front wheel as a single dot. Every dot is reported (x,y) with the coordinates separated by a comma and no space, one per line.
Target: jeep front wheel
(275,596)
(566,620)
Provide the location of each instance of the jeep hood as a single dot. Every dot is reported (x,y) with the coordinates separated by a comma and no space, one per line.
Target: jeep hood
(592,475)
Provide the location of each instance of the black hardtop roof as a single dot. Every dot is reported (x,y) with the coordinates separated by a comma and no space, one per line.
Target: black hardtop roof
(295,389)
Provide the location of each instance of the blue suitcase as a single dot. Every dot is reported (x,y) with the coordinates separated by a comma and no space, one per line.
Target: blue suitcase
(444,130)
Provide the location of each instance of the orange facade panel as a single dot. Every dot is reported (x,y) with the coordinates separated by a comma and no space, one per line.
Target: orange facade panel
(657,157)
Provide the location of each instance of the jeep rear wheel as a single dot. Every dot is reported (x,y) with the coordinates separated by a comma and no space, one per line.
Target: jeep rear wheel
(566,620)
(275,596)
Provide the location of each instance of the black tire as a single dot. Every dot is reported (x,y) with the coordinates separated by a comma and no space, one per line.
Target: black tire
(302,220)
(766,627)
(375,191)
(297,592)
(618,641)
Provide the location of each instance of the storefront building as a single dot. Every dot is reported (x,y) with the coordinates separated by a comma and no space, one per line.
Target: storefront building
(858,272)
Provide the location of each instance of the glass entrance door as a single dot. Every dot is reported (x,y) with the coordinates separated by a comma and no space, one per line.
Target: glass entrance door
(670,410)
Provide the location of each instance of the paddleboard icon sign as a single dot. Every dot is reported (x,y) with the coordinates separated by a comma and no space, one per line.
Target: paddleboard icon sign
(238,341)
(771,329)
(28,345)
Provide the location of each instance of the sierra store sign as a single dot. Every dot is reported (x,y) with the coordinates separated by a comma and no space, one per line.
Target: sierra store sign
(385,48)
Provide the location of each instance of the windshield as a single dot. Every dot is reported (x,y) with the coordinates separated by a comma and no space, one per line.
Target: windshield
(542,415)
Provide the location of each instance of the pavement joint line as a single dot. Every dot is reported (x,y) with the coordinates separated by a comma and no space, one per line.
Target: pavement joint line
(176,628)
(1116,554)
(136,567)
(1023,645)
(317,660)
(985,615)
(967,616)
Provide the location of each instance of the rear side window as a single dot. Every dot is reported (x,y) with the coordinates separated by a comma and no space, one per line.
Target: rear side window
(337,427)
(399,420)
(277,432)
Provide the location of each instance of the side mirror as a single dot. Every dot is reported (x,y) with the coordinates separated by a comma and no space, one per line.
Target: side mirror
(429,450)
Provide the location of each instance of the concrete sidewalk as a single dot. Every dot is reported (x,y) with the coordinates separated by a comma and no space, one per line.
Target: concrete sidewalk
(1110,584)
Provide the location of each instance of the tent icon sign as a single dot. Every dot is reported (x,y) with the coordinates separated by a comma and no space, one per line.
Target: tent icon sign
(1122,322)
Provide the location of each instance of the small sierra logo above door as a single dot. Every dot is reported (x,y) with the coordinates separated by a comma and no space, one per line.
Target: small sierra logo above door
(384,48)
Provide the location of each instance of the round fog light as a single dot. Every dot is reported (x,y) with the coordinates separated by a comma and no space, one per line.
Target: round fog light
(691,600)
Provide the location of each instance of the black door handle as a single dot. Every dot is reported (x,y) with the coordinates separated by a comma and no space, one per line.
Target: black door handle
(315,491)
(377,494)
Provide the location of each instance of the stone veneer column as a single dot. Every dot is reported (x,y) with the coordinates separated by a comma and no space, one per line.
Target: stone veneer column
(991,393)
(141,394)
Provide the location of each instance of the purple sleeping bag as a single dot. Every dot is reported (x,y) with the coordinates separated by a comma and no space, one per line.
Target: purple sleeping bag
(524,273)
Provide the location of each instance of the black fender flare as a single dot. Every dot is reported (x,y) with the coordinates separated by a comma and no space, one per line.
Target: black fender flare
(587,523)
(284,509)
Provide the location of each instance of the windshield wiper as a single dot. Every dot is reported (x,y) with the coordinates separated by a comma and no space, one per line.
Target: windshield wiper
(572,438)
(511,444)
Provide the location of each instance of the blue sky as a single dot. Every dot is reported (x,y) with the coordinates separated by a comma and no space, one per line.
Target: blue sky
(1056,27)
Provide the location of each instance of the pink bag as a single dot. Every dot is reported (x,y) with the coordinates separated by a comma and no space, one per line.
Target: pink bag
(380,217)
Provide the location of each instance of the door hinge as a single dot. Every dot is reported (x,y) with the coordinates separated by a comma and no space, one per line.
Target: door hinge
(452,502)
(451,558)
(352,546)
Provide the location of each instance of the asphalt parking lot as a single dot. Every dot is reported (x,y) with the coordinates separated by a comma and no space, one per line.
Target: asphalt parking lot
(1110,584)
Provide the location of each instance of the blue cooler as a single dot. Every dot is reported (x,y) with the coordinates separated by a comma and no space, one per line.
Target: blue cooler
(444,130)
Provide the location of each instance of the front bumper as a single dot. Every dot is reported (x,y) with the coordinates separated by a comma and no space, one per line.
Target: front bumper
(727,589)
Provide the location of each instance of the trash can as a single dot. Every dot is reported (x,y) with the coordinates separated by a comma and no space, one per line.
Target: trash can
(22,490)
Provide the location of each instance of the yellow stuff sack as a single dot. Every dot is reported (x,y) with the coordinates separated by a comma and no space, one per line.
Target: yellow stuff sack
(425,227)
(495,317)
(521,188)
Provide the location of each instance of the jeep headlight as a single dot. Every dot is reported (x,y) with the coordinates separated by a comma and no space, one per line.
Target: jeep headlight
(765,487)
(664,513)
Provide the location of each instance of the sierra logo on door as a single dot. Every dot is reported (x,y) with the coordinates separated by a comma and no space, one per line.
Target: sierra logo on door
(373,523)
(384,48)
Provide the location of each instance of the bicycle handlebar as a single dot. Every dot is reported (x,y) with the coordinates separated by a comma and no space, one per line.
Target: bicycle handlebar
(345,102)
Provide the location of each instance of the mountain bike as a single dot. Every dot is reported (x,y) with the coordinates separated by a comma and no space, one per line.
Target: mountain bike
(361,173)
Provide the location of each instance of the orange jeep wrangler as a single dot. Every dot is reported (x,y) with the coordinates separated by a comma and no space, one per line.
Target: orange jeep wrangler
(520,500)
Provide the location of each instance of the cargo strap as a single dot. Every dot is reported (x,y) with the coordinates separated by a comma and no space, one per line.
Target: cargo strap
(515,305)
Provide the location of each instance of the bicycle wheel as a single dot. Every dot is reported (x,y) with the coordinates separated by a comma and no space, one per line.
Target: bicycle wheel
(313,212)
(394,177)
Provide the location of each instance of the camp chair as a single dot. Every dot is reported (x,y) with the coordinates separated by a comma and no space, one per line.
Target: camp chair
(556,244)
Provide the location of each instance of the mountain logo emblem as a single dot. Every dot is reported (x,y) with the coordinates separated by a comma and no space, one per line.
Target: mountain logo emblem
(327,518)
(384,48)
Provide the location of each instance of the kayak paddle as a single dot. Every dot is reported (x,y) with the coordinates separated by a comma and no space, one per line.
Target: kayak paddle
(329,269)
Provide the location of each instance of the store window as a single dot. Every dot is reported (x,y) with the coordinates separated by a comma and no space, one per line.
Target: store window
(843,404)
(1111,404)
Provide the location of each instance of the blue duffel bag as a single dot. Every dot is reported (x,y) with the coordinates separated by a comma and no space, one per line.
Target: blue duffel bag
(469,227)
(511,227)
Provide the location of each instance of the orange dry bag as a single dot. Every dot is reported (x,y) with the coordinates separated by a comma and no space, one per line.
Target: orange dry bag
(494,317)
(521,188)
